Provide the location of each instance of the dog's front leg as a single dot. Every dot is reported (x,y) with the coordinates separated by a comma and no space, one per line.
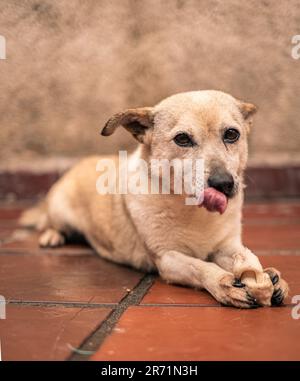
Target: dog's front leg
(265,285)
(175,267)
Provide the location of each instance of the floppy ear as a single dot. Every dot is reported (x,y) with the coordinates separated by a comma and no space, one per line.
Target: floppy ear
(137,121)
(247,109)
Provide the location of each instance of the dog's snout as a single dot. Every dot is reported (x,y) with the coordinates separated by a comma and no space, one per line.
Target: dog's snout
(222,181)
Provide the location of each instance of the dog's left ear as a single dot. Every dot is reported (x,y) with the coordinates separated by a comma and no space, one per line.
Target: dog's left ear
(247,109)
(137,121)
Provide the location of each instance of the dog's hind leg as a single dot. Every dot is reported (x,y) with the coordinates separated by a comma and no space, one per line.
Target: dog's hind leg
(59,218)
(51,238)
(38,219)
(35,218)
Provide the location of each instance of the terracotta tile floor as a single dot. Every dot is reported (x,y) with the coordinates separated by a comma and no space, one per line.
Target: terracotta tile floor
(68,303)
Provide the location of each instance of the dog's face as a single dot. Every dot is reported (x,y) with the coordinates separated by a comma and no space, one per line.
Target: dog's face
(208,125)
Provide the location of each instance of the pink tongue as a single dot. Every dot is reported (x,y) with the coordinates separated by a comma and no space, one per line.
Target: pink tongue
(214,201)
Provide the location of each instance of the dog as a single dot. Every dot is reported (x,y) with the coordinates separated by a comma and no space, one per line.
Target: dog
(197,246)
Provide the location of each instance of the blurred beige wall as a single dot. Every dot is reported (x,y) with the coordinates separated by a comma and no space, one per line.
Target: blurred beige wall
(71,64)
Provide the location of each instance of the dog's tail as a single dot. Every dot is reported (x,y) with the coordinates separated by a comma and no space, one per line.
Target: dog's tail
(35,217)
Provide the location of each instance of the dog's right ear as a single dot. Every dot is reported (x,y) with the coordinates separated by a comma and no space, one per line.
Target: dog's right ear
(137,121)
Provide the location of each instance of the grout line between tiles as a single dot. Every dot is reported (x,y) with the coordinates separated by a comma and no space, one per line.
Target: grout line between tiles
(178,305)
(284,221)
(198,305)
(93,342)
(38,252)
(28,303)
(113,305)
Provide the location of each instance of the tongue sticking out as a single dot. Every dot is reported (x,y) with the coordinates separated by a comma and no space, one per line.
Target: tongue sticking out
(214,201)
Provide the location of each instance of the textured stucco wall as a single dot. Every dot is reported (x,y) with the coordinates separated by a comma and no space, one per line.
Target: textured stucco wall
(71,64)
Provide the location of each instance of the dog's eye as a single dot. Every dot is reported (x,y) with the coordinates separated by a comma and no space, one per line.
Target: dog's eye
(184,140)
(231,135)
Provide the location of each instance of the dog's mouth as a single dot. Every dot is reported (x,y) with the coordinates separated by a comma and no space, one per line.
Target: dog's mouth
(214,200)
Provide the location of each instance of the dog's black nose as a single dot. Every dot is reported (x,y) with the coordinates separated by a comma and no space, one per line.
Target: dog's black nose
(222,181)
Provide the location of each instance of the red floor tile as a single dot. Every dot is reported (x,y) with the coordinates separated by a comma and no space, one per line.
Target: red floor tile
(31,247)
(26,241)
(5,232)
(272,237)
(163,293)
(10,213)
(203,333)
(275,210)
(49,333)
(64,278)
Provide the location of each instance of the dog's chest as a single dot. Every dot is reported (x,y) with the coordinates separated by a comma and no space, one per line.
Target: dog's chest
(189,230)
(195,237)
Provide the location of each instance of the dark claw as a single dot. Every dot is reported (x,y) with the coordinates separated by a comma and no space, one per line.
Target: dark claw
(275,279)
(250,298)
(277,297)
(252,301)
(254,306)
(237,283)
(277,292)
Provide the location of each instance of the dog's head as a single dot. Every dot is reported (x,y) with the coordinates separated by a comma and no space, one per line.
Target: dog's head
(208,125)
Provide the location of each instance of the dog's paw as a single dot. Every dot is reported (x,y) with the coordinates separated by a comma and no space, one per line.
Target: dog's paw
(259,285)
(234,293)
(51,238)
(281,288)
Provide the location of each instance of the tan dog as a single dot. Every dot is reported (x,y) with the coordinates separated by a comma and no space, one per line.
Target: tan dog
(188,245)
